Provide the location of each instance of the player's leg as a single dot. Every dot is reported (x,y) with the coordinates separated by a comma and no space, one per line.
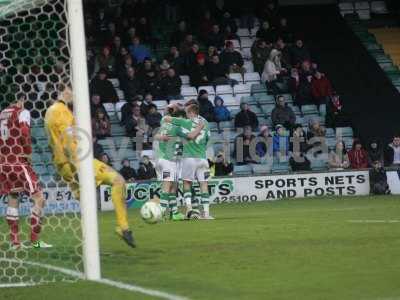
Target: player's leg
(188,174)
(36,220)
(203,173)
(12,217)
(106,175)
(176,215)
(165,175)
(69,174)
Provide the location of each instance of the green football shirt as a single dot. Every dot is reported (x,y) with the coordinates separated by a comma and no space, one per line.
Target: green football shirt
(172,149)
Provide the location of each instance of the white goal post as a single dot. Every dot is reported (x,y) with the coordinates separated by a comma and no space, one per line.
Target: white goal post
(80,84)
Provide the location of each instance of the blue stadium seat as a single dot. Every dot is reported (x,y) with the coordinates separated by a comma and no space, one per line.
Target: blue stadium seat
(264,98)
(267,108)
(243,170)
(344,131)
(117,130)
(309,109)
(330,132)
(248,99)
(260,169)
(258,89)
(281,167)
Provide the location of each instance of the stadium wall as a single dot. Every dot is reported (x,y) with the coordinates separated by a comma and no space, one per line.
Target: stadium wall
(226,190)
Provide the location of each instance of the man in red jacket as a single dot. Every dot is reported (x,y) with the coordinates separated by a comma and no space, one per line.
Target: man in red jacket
(321,88)
(358,156)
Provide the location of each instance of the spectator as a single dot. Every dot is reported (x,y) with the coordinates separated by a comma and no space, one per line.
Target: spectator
(358,156)
(273,72)
(266,33)
(228,21)
(123,64)
(175,60)
(298,161)
(283,114)
(95,105)
(101,125)
(146,104)
(303,94)
(285,54)
(221,112)
(105,60)
(106,159)
(229,34)
(104,88)
(246,117)
(178,36)
(321,88)
(171,85)
(211,51)
(116,46)
(242,147)
(264,142)
(299,53)
(138,51)
(205,26)
(153,118)
(98,149)
(392,152)
(259,55)
(199,72)
(218,72)
(315,129)
(378,179)
(221,167)
(135,125)
(127,171)
(131,85)
(338,158)
(280,143)
(375,152)
(232,59)
(151,84)
(284,31)
(299,142)
(144,30)
(206,109)
(127,108)
(145,68)
(335,114)
(186,46)
(146,169)
(216,37)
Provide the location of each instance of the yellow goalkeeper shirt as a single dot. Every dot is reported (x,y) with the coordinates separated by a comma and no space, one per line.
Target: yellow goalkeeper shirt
(60,124)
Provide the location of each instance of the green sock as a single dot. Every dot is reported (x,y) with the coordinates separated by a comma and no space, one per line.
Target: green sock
(164,199)
(173,205)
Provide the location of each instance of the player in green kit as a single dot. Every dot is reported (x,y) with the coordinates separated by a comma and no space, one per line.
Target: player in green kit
(169,153)
(194,163)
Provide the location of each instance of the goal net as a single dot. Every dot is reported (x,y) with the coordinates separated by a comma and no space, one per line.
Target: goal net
(34,60)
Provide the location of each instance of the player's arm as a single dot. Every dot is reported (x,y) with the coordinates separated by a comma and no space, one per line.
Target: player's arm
(24,121)
(68,138)
(196,132)
(180,122)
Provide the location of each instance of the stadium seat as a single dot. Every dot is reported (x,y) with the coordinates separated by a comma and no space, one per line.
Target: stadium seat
(319,163)
(213,126)
(264,98)
(255,109)
(248,99)
(230,100)
(110,108)
(248,65)
(224,89)
(349,142)
(243,32)
(261,169)
(322,109)
(331,142)
(246,43)
(185,80)
(246,54)
(258,88)
(251,77)
(119,105)
(161,104)
(267,108)
(188,91)
(280,167)
(242,89)
(379,7)
(242,170)
(209,88)
(226,125)
(344,132)
(115,82)
(309,109)
(120,94)
(117,130)
(288,98)
(330,132)
(236,76)
(148,153)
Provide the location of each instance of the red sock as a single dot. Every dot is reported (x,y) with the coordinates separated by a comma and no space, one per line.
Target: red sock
(13,220)
(36,227)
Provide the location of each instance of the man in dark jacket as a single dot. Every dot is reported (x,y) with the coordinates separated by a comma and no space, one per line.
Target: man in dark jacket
(104,88)
(171,85)
(95,105)
(146,169)
(126,109)
(199,72)
(206,109)
(232,59)
(299,53)
(127,171)
(378,180)
(283,114)
(146,104)
(218,72)
(246,117)
(216,37)
(130,84)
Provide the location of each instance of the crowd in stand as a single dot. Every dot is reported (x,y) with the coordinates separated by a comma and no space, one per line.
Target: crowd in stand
(122,44)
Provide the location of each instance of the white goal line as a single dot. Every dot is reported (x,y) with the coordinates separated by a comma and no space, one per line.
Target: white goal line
(79,275)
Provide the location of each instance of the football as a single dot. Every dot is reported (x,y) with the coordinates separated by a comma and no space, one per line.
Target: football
(151,212)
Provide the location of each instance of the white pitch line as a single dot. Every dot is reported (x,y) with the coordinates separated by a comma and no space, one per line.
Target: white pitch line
(79,275)
(374,221)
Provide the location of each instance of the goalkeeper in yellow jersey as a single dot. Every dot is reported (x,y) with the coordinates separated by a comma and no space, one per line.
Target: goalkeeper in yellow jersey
(60,127)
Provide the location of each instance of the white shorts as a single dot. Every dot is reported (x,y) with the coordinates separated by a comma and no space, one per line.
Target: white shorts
(167,170)
(195,169)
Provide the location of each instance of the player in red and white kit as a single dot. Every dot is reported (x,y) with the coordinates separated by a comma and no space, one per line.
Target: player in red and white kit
(16,173)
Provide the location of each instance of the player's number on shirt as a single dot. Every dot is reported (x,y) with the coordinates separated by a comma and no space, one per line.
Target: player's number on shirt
(4,131)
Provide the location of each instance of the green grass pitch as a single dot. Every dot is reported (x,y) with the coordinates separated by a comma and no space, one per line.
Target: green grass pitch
(328,248)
